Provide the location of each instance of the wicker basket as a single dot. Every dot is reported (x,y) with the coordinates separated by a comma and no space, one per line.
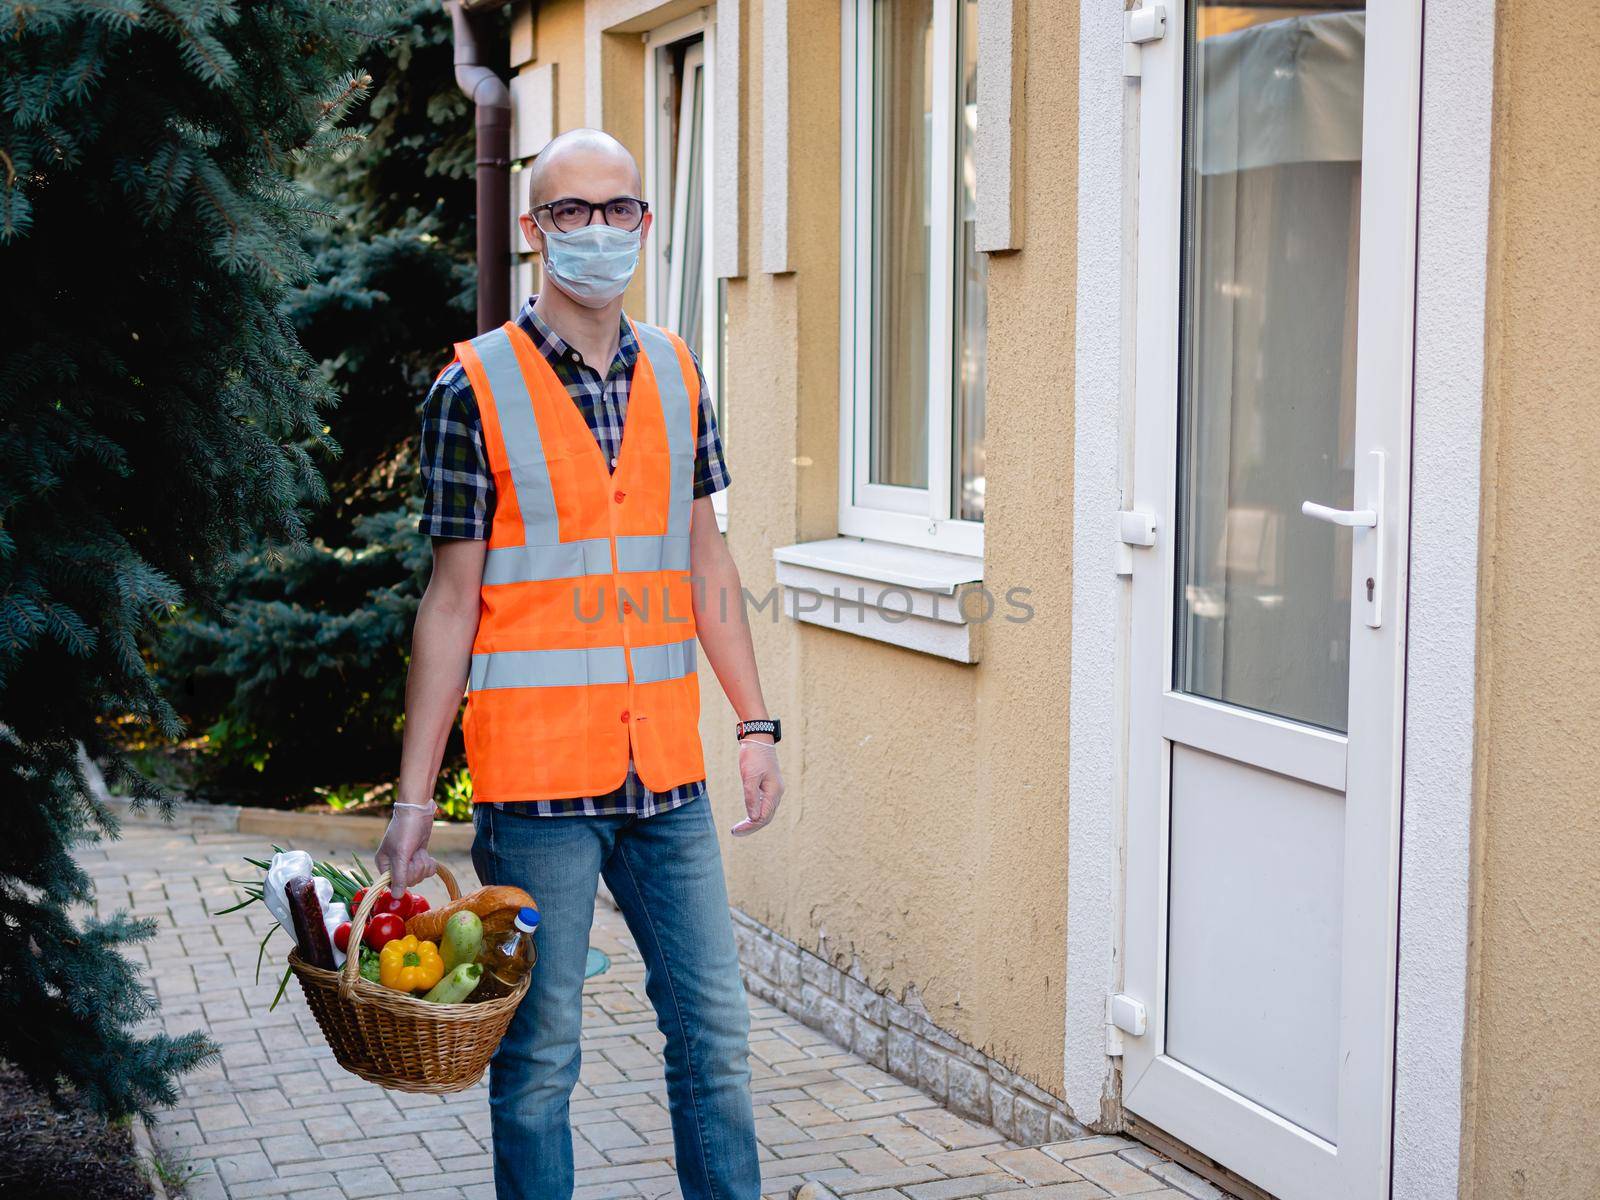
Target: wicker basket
(393,1038)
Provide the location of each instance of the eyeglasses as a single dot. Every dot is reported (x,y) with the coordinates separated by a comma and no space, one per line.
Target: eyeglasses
(569,213)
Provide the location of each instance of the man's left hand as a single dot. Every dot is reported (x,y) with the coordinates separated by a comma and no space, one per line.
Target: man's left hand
(763,783)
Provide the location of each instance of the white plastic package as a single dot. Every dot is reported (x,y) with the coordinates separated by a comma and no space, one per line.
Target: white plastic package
(291,864)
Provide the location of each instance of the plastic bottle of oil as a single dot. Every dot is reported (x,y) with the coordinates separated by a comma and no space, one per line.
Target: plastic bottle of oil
(507,958)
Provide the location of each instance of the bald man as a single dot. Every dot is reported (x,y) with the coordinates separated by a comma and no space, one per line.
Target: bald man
(564,704)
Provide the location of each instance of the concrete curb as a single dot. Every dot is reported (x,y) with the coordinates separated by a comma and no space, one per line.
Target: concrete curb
(276,825)
(210,818)
(352,833)
(144,1149)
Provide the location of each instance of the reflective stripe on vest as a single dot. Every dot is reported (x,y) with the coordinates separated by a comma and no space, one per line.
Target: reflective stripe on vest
(575,668)
(549,668)
(653,664)
(543,556)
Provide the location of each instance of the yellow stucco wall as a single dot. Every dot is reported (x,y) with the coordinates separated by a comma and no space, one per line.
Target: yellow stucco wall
(1534,1066)
(924,837)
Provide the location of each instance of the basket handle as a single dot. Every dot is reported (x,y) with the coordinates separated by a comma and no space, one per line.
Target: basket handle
(351,971)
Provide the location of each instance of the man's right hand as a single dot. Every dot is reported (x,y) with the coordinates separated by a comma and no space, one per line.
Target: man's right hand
(404,850)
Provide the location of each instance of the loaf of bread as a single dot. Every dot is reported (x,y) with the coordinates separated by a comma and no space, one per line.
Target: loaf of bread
(496,907)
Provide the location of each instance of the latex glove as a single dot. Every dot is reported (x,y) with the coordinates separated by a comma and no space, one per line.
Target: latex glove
(763,784)
(404,849)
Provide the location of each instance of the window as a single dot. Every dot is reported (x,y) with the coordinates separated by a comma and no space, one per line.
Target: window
(685,295)
(914,287)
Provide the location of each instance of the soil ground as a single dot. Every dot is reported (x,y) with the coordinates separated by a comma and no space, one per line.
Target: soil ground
(61,1154)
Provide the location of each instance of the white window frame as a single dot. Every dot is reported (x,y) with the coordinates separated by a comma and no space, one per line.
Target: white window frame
(910,516)
(658,156)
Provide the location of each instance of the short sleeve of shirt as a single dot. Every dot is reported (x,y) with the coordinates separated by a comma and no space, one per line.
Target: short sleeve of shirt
(710,471)
(457,486)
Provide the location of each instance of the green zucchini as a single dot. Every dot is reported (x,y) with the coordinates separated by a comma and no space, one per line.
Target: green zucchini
(455,987)
(463,939)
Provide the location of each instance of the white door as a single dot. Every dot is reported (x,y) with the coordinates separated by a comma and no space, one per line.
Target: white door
(1277,201)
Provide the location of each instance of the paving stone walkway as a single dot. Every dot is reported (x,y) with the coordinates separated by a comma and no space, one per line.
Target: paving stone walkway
(277,1117)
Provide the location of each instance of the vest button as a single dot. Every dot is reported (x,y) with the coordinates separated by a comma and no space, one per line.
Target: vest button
(618,497)
(627,607)
(624,716)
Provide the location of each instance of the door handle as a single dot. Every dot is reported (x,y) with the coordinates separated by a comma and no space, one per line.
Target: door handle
(1368,553)
(1355,518)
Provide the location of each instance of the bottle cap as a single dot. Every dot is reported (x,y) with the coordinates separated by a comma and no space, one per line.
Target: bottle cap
(528,920)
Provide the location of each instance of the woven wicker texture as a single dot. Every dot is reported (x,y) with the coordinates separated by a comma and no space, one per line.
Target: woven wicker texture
(393,1038)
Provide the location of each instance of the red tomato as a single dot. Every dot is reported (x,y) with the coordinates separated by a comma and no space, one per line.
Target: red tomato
(419,904)
(383,929)
(355,901)
(389,903)
(341,937)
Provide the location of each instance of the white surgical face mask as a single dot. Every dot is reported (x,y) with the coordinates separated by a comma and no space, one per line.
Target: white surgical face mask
(592,265)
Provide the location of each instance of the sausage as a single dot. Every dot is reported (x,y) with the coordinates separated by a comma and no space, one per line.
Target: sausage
(310,933)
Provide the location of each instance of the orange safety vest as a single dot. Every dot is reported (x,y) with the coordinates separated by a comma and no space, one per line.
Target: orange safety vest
(585,650)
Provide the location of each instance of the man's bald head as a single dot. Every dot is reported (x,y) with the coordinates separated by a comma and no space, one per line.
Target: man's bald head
(587,163)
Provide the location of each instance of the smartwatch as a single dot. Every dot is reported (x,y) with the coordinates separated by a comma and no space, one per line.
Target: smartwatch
(760,725)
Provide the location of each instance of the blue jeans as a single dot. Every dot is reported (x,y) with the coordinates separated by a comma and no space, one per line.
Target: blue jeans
(665,872)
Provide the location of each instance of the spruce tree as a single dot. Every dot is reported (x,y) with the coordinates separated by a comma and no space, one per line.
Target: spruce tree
(157,413)
(314,648)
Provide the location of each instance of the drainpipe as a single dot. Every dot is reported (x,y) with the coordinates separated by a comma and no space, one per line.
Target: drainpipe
(492,105)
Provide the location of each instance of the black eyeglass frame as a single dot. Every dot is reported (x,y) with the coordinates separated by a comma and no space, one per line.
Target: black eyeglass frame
(600,207)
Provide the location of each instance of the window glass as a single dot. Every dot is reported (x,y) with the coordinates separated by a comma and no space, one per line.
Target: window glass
(971,287)
(901,165)
(688,204)
(679,236)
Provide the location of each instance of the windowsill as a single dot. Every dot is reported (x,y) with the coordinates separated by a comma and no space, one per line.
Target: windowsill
(901,595)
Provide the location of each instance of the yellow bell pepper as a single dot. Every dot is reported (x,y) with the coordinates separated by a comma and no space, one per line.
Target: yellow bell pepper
(408,965)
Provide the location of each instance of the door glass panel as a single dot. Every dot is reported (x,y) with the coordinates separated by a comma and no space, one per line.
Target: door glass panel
(1272,191)
(902,149)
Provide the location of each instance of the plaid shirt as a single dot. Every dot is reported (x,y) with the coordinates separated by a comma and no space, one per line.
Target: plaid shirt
(459,496)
